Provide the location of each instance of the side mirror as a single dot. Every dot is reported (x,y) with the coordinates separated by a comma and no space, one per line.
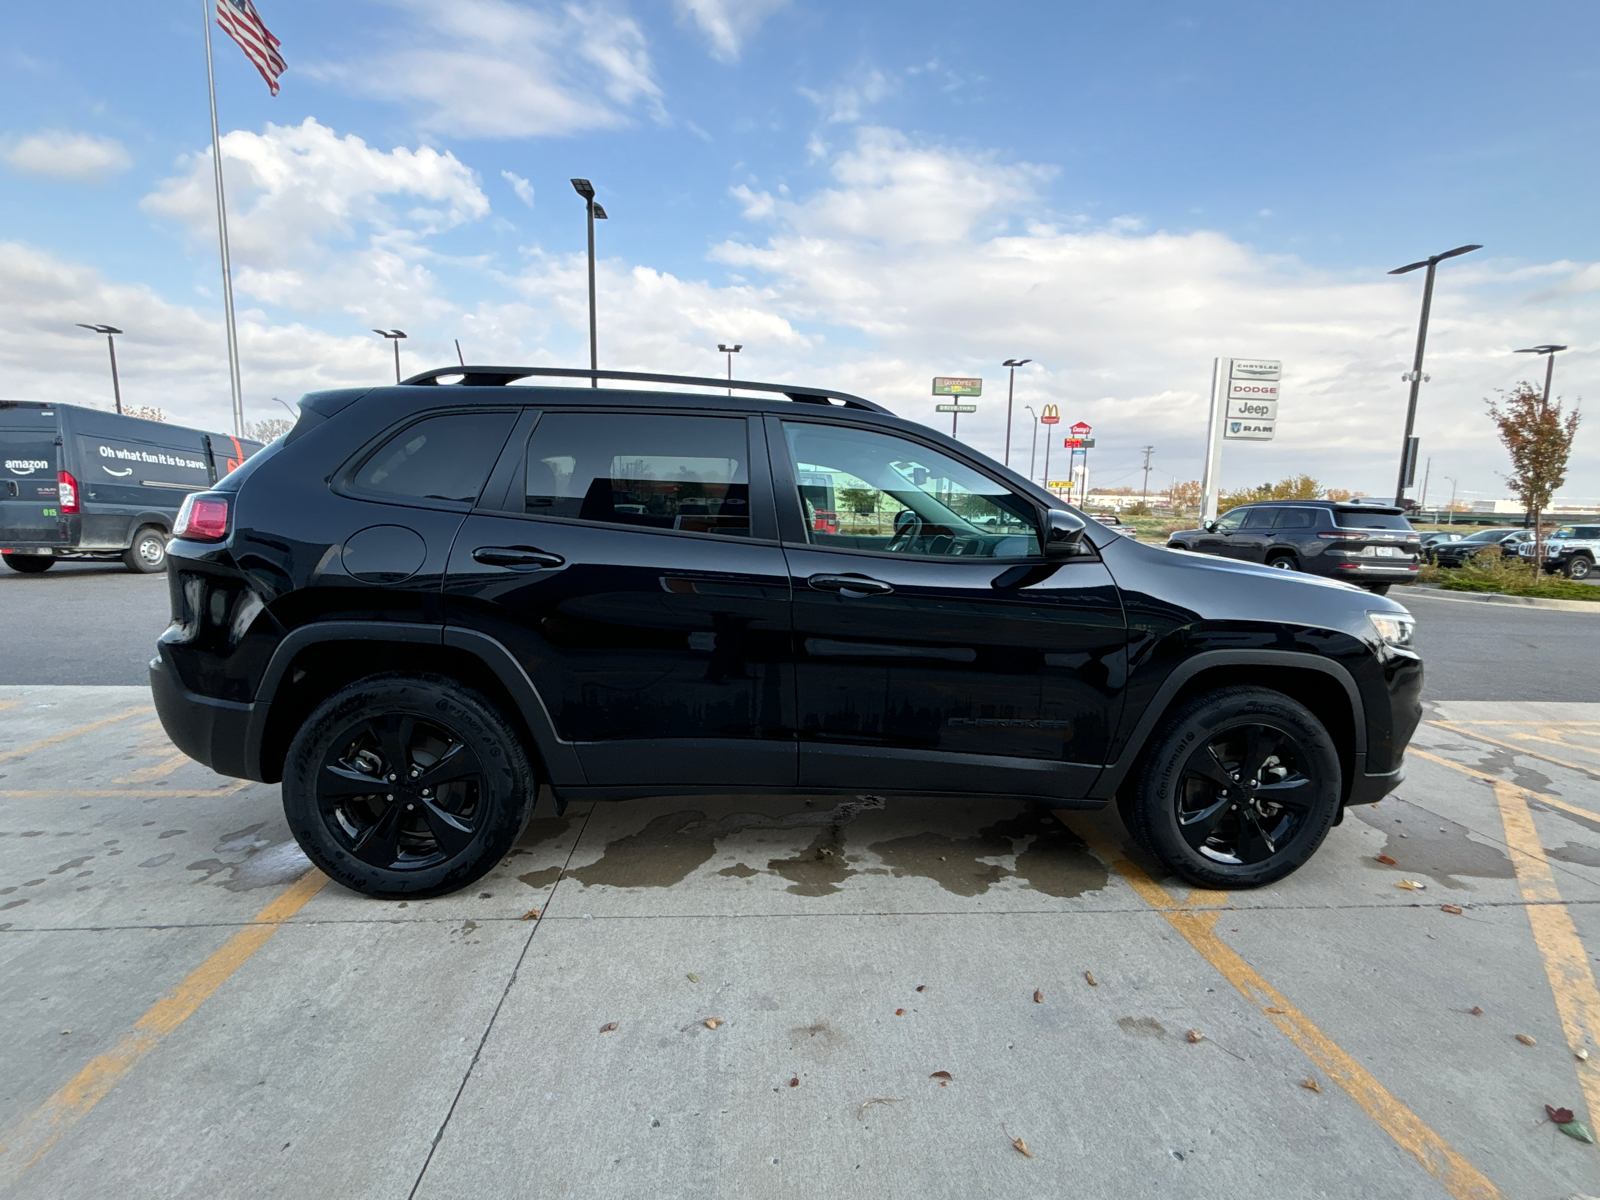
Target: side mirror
(1063,534)
(1210,526)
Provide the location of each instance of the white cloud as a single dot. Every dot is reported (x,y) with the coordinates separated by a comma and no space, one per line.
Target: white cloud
(520,186)
(845,102)
(317,220)
(56,154)
(499,69)
(727,23)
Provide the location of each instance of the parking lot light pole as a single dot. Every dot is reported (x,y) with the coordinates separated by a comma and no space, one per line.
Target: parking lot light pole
(1550,353)
(1011,387)
(1451,520)
(111,332)
(393,335)
(1034,448)
(730,351)
(1415,374)
(596,213)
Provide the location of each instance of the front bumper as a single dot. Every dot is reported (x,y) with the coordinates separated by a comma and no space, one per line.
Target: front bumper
(1369,789)
(212,732)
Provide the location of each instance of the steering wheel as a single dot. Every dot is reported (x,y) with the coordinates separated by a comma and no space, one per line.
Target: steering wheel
(907,528)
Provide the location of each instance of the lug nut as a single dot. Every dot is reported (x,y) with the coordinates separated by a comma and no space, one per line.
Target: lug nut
(392,778)
(390,796)
(410,807)
(427,791)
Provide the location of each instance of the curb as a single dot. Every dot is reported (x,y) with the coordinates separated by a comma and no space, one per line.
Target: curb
(1438,593)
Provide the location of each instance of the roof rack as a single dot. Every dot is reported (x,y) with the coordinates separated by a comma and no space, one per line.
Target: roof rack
(500,376)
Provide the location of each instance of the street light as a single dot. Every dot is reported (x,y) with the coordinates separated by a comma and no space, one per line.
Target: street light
(596,213)
(1550,353)
(1033,449)
(111,342)
(1415,376)
(730,351)
(1011,385)
(1451,519)
(394,335)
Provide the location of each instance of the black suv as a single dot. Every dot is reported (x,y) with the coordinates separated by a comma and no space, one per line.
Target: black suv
(429,599)
(1363,543)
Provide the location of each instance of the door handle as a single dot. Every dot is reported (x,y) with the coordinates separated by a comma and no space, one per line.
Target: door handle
(517,556)
(853,586)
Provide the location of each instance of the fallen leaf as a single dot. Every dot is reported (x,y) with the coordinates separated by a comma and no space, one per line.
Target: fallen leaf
(693,978)
(609,1027)
(1022,1146)
(1279,1011)
(1194,1035)
(861,1113)
(1412,885)
(922,987)
(795,1081)
(1038,996)
(1577,1131)
(1450,908)
(712,1022)
(899,1012)
(1311,1085)
(531,915)
(1089,975)
(1561,1116)
(1475,1011)
(941,1075)
(1526,1039)
(1387,861)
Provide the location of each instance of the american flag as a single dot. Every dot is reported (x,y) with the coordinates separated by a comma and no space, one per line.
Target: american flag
(240,21)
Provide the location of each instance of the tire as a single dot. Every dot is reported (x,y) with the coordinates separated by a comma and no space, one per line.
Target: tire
(148,554)
(1283,562)
(1180,778)
(1176,546)
(29,564)
(1578,567)
(1378,589)
(424,727)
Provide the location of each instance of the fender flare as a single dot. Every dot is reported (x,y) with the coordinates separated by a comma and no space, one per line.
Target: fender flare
(1112,777)
(559,756)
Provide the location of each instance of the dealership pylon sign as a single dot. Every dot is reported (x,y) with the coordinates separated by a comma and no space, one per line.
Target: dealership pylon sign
(1244,407)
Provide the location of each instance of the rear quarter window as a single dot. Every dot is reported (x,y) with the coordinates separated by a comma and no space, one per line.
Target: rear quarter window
(439,458)
(1355,519)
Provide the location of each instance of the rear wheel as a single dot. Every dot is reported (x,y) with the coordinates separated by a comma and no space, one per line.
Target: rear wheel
(148,554)
(407,785)
(1377,589)
(29,564)
(1284,562)
(1238,789)
(1578,567)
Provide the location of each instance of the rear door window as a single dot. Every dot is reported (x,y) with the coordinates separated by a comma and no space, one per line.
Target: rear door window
(1297,518)
(1260,518)
(442,458)
(27,464)
(664,471)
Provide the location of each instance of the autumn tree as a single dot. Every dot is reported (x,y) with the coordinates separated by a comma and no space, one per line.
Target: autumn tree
(270,429)
(1538,437)
(1184,495)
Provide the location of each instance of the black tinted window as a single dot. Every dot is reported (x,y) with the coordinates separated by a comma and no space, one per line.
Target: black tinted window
(440,458)
(1297,518)
(1356,519)
(661,472)
(1260,518)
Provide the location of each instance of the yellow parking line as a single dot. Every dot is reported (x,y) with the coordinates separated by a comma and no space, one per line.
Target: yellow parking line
(1541,797)
(155,771)
(51,1120)
(1483,737)
(72,733)
(1437,1156)
(120,793)
(1566,963)
(5,704)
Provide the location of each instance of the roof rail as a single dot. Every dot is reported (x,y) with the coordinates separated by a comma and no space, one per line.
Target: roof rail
(500,376)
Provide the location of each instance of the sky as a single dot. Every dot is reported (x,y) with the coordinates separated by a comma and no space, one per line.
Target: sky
(863,195)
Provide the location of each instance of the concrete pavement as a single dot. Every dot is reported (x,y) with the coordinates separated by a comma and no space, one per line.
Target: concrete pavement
(235,1029)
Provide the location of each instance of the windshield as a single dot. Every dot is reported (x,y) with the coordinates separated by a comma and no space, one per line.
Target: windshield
(1486,535)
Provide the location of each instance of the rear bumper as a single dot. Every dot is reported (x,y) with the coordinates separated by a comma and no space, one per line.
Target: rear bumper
(212,732)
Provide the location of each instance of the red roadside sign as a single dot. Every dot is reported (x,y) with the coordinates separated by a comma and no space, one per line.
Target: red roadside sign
(1080,430)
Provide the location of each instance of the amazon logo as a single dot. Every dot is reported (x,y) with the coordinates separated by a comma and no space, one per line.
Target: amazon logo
(26,466)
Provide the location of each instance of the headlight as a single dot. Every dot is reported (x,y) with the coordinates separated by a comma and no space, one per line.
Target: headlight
(1394,628)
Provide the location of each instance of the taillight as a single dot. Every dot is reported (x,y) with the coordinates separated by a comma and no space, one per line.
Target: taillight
(66,492)
(1345,536)
(202,519)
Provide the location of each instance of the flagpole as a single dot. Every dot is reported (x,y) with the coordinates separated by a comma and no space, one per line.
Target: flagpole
(222,233)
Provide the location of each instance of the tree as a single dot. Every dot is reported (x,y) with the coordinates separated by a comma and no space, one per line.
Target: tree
(145,411)
(1183,495)
(269,429)
(1294,487)
(1539,439)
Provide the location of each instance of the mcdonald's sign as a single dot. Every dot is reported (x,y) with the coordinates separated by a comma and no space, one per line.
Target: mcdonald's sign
(1051,415)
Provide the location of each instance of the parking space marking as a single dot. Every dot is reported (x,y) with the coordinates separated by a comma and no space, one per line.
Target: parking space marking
(123,793)
(28,1142)
(1410,1133)
(1541,797)
(1592,772)
(72,733)
(155,771)
(1566,963)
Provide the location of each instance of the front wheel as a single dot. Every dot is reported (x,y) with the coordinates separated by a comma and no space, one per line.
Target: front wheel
(29,564)
(1238,789)
(406,785)
(1578,568)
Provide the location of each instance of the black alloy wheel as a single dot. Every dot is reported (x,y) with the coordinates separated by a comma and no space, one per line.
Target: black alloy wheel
(1238,788)
(404,786)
